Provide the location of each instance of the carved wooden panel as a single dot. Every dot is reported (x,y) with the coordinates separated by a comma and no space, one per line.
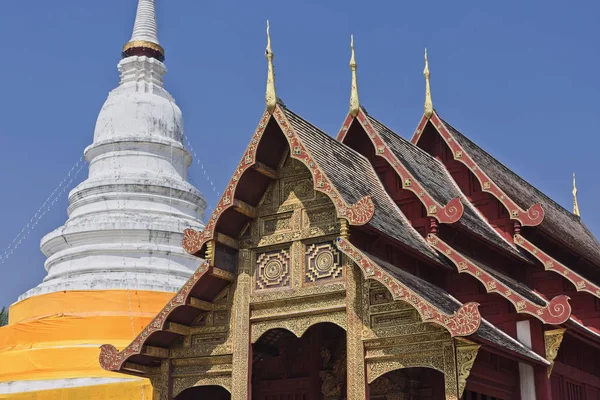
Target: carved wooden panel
(273,269)
(323,262)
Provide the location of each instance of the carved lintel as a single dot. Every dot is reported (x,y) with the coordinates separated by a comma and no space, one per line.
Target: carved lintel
(227,240)
(139,369)
(152,351)
(244,208)
(466,353)
(177,329)
(201,304)
(265,170)
(552,341)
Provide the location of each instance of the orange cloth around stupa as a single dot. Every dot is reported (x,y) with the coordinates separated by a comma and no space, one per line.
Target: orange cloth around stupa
(58,335)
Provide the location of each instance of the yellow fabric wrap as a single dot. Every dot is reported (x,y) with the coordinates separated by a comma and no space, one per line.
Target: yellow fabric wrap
(58,336)
(113,391)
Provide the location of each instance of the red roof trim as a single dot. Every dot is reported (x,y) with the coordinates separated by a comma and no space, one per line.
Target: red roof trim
(531,217)
(359,213)
(464,322)
(556,312)
(447,214)
(113,360)
(550,264)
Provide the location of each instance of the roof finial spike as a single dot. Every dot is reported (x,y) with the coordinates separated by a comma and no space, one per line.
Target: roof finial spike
(575,203)
(354,100)
(428,101)
(144,40)
(271,95)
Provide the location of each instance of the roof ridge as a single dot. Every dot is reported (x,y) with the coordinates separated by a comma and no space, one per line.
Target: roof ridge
(412,146)
(507,168)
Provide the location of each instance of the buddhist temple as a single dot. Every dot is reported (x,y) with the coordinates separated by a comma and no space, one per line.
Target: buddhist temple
(370,266)
(347,265)
(118,258)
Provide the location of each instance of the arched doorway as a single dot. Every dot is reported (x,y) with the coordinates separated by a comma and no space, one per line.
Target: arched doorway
(204,392)
(409,384)
(311,367)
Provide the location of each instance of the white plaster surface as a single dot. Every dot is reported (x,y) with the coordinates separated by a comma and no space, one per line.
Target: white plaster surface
(34,386)
(145,27)
(526,373)
(126,220)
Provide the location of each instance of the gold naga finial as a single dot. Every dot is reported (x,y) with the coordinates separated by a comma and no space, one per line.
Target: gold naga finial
(575,203)
(354,101)
(271,95)
(428,101)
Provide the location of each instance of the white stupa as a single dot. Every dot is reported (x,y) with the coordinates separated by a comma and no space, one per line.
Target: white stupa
(116,261)
(126,220)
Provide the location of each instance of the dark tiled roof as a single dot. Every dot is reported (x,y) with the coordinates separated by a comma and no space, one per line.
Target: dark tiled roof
(514,285)
(558,222)
(432,174)
(444,302)
(354,178)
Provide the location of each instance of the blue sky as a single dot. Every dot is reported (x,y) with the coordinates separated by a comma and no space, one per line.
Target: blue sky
(519,78)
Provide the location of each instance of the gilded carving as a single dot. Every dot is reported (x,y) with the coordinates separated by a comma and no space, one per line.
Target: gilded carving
(323,261)
(273,269)
(298,325)
(354,344)
(466,353)
(241,331)
(183,383)
(552,341)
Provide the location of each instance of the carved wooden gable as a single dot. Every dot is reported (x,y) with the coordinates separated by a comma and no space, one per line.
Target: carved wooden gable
(292,237)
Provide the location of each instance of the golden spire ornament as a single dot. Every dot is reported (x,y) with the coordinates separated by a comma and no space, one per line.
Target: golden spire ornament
(428,101)
(575,203)
(354,101)
(271,95)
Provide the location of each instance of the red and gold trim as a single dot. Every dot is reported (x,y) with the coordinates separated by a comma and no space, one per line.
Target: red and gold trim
(531,217)
(463,322)
(144,48)
(359,213)
(446,214)
(550,264)
(113,360)
(556,312)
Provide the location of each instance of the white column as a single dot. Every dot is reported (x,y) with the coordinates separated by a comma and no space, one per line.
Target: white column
(526,374)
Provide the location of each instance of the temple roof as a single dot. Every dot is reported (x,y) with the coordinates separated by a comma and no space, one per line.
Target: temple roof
(354,178)
(438,183)
(443,301)
(558,222)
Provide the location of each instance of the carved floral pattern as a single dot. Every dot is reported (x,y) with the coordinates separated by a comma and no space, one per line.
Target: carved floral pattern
(447,214)
(555,313)
(112,360)
(357,214)
(550,264)
(552,341)
(466,353)
(531,217)
(464,322)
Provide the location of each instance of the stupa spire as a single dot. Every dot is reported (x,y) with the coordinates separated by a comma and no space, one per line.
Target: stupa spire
(428,101)
(271,94)
(575,203)
(354,100)
(144,40)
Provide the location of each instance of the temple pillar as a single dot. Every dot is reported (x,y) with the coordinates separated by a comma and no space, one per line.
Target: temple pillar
(526,372)
(356,367)
(242,357)
(162,387)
